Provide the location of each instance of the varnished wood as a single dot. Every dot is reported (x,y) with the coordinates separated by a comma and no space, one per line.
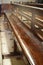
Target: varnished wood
(37,32)
(34,50)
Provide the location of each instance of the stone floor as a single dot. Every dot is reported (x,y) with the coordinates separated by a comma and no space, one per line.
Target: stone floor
(13,61)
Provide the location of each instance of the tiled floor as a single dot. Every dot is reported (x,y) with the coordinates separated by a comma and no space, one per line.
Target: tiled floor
(0,43)
(0,52)
(13,61)
(16,61)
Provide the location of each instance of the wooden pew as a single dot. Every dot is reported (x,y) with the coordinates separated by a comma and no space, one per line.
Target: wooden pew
(36,4)
(38,32)
(36,20)
(31,49)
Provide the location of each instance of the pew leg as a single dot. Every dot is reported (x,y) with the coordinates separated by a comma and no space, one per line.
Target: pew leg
(16,53)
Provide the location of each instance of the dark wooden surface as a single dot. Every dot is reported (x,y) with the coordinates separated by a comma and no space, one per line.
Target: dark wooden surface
(37,31)
(34,50)
(35,4)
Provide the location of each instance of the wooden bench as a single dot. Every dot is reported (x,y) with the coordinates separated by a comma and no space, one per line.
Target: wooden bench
(38,22)
(32,50)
